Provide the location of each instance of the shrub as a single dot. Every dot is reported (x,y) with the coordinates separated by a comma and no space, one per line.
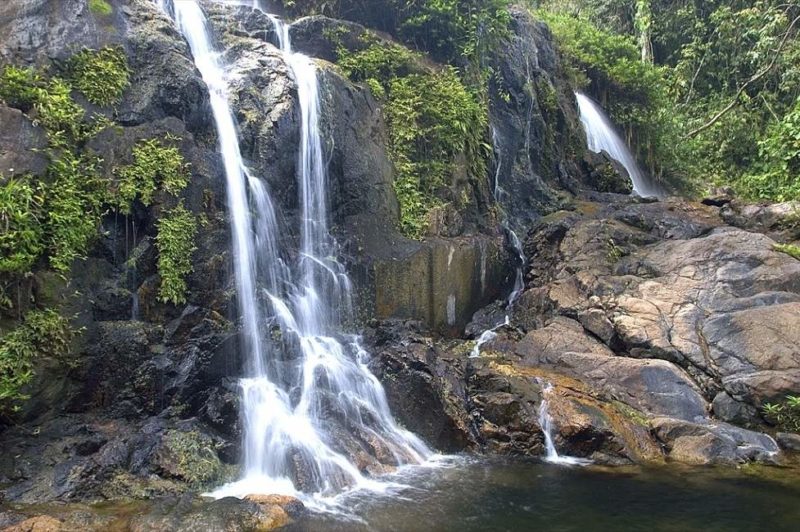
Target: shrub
(101,75)
(100,7)
(43,333)
(154,164)
(432,119)
(18,86)
(21,232)
(785,415)
(74,208)
(175,241)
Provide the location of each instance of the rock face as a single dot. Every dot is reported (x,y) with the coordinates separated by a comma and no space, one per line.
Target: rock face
(535,126)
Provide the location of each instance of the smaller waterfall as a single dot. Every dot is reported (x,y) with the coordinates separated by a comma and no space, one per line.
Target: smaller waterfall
(546,423)
(486,337)
(602,136)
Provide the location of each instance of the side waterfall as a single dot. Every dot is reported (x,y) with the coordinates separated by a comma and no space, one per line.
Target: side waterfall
(602,136)
(305,379)
(546,423)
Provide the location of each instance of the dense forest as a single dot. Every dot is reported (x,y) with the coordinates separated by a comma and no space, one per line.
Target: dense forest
(270,263)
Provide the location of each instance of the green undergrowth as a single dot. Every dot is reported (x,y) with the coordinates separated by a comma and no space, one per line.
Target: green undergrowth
(785,414)
(789,249)
(157,163)
(49,222)
(433,117)
(100,7)
(101,75)
(177,230)
(42,334)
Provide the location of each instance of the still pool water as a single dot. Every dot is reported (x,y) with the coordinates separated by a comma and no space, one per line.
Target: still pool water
(466,495)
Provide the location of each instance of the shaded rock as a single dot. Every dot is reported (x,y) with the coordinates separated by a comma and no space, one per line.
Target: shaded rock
(788,442)
(21,145)
(605,174)
(780,219)
(426,393)
(729,409)
(713,443)
(534,122)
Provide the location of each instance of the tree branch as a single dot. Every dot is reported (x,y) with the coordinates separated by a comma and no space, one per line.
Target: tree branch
(747,84)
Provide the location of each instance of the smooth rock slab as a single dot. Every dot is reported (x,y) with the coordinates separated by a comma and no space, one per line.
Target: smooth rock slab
(714,443)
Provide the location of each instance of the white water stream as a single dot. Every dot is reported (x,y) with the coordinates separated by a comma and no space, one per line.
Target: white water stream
(601,135)
(546,423)
(298,390)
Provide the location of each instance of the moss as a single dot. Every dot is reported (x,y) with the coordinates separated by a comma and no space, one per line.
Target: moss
(192,457)
(177,231)
(100,8)
(631,413)
(101,75)
(789,249)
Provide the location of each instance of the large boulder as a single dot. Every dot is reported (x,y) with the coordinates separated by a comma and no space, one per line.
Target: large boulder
(667,281)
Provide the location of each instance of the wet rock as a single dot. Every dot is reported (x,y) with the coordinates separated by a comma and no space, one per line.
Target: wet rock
(425,392)
(534,124)
(292,505)
(714,443)
(21,144)
(729,409)
(788,441)
(188,514)
(605,174)
(37,31)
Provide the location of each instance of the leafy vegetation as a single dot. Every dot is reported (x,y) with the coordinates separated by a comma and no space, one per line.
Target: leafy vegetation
(789,249)
(21,239)
(101,75)
(74,208)
(51,220)
(785,415)
(458,32)
(42,334)
(177,230)
(433,117)
(156,163)
(100,7)
(714,94)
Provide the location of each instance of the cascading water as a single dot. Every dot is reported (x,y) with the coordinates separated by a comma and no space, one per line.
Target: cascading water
(546,423)
(602,136)
(514,243)
(313,379)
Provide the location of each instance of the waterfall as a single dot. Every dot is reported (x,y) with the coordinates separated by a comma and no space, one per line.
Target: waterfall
(313,380)
(546,424)
(602,136)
